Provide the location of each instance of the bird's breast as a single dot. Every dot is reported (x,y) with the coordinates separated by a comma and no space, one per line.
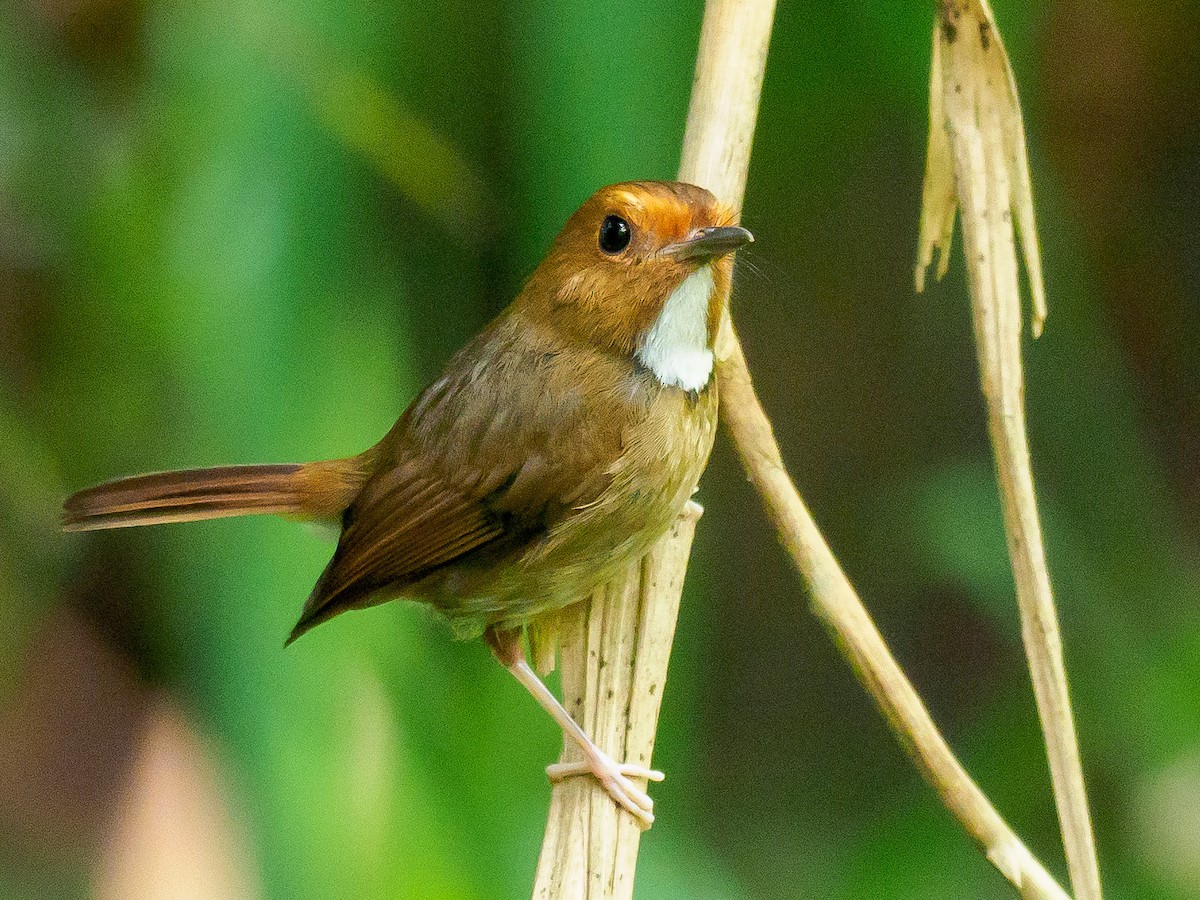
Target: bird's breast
(584,468)
(663,455)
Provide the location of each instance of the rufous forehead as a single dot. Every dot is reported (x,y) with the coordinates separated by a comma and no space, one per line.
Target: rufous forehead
(668,213)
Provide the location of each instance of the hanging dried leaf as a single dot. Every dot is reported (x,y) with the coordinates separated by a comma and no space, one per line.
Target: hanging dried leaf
(974,115)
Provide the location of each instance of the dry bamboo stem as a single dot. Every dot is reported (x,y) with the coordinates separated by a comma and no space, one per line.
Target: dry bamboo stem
(613,652)
(581,851)
(614,649)
(744,33)
(835,602)
(977,160)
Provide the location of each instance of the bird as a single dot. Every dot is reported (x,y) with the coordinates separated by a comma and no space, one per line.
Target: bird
(552,451)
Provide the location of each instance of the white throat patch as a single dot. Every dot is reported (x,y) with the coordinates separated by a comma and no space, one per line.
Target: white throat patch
(675,348)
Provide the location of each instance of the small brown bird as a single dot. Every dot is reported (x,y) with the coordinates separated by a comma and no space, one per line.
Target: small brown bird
(554,449)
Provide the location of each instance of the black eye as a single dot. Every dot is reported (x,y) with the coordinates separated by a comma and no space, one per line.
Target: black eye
(614,234)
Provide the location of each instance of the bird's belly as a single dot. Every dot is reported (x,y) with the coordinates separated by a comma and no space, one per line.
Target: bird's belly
(651,483)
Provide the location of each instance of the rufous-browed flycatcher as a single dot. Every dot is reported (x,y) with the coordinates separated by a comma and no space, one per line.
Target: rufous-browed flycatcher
(552,451)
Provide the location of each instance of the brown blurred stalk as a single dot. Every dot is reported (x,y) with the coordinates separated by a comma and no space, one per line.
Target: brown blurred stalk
(977,160)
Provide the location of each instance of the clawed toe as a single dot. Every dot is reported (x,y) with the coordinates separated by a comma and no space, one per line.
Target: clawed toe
(560,771)
(615,778)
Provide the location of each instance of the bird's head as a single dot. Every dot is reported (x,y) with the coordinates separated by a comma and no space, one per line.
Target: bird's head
(643,268)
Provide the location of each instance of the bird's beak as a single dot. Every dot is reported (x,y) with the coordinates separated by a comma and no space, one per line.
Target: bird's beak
(709,243)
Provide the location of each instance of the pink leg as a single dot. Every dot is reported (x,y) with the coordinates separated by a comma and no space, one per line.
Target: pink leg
(613,776)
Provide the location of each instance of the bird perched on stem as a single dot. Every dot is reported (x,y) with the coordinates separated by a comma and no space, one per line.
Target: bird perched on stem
(552,451)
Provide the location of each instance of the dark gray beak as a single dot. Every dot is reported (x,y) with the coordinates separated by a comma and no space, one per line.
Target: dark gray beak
(709,243)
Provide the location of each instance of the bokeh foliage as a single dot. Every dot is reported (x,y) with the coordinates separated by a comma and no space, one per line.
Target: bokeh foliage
(237,231)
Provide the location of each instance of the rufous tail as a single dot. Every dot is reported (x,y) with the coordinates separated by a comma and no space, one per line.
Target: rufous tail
(320,490)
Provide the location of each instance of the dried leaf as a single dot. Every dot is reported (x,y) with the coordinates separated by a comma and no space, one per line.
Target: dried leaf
(973,103)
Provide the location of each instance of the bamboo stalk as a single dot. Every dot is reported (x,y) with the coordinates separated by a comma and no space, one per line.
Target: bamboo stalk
(724,108)
(977,160)
(615,647)
(613,650)
(744,31)
(587,853)
(835,602)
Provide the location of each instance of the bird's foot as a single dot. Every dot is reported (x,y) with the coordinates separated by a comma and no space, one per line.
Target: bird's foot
(616,779)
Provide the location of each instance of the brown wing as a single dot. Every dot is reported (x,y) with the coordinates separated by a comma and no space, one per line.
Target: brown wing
(408,526)
(475,463)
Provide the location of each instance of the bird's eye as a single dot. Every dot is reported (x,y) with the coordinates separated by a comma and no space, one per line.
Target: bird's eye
(614,234)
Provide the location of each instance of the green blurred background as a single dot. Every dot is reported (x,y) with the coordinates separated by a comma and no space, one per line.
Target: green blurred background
(239,231)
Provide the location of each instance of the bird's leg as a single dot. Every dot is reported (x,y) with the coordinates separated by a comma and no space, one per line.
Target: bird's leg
(613,776)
